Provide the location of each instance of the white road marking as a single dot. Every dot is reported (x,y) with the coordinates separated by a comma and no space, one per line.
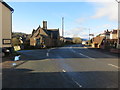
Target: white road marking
(47,54)
(113,65)
(82,54)
(77,83)
(63,70)
(73,51)
(86,56)
(74,80)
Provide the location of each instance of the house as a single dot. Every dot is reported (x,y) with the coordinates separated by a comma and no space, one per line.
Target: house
(106,34)
(97,41)
(44,37)
(118,42)
(5,26)
(113,34)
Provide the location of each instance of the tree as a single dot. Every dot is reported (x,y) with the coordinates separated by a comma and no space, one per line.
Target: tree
(77,40)
(16,41)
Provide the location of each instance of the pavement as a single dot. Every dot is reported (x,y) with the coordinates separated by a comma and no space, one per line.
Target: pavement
(72,66)
(8,62)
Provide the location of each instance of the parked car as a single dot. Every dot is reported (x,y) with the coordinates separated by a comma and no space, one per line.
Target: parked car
(6,51)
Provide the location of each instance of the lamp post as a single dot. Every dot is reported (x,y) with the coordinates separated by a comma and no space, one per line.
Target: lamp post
(118,31)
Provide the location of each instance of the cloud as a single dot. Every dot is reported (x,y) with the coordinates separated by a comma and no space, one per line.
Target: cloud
(77,32)
(109,10)
(80,20)
(101,28)
(105,26)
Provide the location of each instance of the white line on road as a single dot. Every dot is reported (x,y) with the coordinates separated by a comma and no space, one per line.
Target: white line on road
(74,80)
(86,56)
(47,54)
(113,65)
(82,54)
(63,70)
(77,83)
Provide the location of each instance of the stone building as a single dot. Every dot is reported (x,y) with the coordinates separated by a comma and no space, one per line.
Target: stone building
(44,37)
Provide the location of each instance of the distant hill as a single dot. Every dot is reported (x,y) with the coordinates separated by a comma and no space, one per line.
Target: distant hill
(83,39)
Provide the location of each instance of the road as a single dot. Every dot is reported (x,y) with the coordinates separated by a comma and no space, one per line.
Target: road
(72,66)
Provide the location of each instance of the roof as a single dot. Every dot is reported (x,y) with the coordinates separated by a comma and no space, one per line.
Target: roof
(53,32)
(53,29)
(98,39)
(4,3)
(50,32)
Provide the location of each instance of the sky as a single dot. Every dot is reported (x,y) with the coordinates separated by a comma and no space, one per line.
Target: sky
(79,17)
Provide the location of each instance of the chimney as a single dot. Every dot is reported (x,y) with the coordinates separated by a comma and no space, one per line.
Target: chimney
(44,24)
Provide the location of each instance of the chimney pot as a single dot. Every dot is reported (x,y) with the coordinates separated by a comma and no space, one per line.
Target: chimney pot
(44,24)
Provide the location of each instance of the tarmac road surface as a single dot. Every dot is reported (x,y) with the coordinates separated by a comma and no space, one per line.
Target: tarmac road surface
(72,66)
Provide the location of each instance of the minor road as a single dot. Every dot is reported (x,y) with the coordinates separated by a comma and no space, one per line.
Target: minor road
(72,66)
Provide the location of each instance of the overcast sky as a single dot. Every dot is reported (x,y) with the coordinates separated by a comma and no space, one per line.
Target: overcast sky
(79,17)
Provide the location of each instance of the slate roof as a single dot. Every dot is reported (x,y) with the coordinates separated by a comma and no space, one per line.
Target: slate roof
(50,32)
(53,32)
(4,3)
